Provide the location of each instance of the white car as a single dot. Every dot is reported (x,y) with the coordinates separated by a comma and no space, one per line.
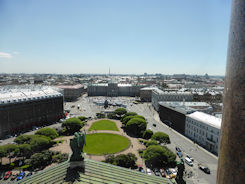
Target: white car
(173,171)
(148,171)
(188,156)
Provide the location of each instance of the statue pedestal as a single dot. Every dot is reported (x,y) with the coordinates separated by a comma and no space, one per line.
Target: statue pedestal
(77,164)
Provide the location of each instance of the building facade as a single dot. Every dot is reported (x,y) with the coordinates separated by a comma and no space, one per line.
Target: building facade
(146,94)
(159,95)
(113,89)
(71,92)
(204,129)
(21,109)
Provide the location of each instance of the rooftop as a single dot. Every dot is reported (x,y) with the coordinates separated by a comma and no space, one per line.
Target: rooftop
(94,172)
(160,92)
(21,94)
(70,86)
(206,118)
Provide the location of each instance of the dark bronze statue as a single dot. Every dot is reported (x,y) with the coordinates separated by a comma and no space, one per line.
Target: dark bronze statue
(76,145)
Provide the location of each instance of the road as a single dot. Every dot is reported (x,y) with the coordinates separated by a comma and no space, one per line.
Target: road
(199,154)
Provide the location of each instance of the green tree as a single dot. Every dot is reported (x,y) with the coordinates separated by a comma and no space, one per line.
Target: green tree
(39,143)
(136,126)
(3,152)
(11,151)
(100,115)
(112,115)
(126,119)
(82,118)
(23,139)
(158,156)
(110,159)
(138,116)
(151,142)
(147,134)
(161,137)
(127,161)
(72,125)
(48,132)
(128,114)
(120,111)
(25,150)
(40,160)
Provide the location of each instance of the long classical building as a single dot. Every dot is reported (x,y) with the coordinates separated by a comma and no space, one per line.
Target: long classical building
(204,129)
(23,107)
(159,95)
(113,89)
(71,92)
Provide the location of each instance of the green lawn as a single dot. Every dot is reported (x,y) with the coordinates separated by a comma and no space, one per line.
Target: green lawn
(104,125)
(105,143)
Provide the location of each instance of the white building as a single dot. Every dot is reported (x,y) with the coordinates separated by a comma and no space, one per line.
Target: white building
(204,129)
(159,95)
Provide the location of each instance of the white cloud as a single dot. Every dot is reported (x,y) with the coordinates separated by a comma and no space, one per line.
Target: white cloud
(16,52)
(5,55)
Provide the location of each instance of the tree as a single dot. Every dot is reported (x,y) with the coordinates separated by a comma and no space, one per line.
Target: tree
(40,160)
(180,173)
(151,142)
(126,119)
(138,116)
(127,161)
(106,104)
(123,160)
(147,134)
(158,156)
(82,118)
(100,115)
(161,137)
(11,150)
(112,115)
(136,126)
(39,143)
(72,125)
(23,139)
(48,132)
(3,152)
(129,114)
(120,111)
(25,150)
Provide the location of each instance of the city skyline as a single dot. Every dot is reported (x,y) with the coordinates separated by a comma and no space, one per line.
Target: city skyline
(167,37)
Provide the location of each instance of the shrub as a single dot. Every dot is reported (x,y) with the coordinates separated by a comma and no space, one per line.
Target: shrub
(147,134)
(40,160)
(100,115)
(112,115)
(39,143)
(48,132)
(161,137)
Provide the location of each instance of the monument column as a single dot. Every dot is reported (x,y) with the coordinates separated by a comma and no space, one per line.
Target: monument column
(231,165)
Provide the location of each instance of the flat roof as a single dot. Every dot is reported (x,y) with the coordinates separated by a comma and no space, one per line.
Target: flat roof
(189,104)
(21,94)
(206,118)
(69,86)
(160,92)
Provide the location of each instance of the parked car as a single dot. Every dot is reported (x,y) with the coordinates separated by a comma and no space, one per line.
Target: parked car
(188,161)
(178,149)
(13,177)
(148,171)
(7,175)
(156,172)
(204,168)
(29,174)
(141,169)
(180,155)
(162,173)
(154,124)
(21,176)
(188,156)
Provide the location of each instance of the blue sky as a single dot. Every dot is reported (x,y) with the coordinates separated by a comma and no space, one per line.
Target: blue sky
(129,36)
